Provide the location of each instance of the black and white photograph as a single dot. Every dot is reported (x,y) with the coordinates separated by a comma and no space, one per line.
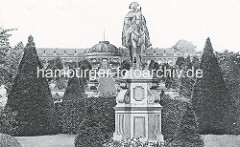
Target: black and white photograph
(119,73)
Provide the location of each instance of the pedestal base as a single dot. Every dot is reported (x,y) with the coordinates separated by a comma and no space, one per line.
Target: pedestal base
(138,122)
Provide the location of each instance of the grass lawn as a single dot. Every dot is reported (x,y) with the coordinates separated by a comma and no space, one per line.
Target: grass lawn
(64,140)
(221,140)
(59,140)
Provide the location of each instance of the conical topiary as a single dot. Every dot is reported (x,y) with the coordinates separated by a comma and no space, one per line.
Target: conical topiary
(30,97)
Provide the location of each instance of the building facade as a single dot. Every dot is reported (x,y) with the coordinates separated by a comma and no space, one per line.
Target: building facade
(107,56)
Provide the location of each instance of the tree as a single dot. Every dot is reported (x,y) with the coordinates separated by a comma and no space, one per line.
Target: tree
(210,100)
(195,62)
(30,97)
(74,90)
(98,122)
(184,47)
(188,63)
(180,62)
(172,82)
(230,67)
(85,66)
(5,67)
(172,113)
(58,63)
(12,60)
(187,133)
(4,43)
(73,95)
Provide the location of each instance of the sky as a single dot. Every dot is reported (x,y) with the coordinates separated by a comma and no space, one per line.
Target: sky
(82,23)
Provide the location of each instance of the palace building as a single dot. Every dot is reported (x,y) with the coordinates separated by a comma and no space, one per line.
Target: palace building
(107,56)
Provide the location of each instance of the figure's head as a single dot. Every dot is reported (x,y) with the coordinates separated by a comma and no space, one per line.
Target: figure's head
(134,6)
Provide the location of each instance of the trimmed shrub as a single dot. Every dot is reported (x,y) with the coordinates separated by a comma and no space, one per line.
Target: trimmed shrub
(30,97)
(172,113)
(98,122)
(71,108)
(211,102)
(187,134)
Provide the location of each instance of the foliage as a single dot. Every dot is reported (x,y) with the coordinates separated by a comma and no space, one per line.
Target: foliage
(187,133)
(98,121)
(185,83)
(180,62)
(30,97)
(10,66)
(171,81)
(184,46)
(172,113)
(74,90)
(9,57)
(8,122)
(210,100)
(4,42)
(90,134)
(75,110)
(230,68)
(71,105)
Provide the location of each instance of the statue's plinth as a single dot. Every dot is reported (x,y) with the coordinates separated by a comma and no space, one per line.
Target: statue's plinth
(138,112)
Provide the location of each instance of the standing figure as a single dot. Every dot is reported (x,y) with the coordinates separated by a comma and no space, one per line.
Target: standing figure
(135,35)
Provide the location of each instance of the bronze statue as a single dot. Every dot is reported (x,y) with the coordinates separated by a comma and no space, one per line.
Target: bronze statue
(135,35)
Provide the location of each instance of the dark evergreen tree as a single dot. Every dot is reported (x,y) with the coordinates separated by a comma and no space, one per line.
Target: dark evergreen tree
(188,63)
(58,63)
(30,97)
(84,66)
(187,133)
(172,82)
(97,124)
(74,90)
(172,113)
(210,100)
(73,95)
(180,62)
(195,62)
(230,67)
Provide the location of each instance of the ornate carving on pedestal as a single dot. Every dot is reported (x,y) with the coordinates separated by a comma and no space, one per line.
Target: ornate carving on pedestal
(127,97)
(151,98)
(138,93)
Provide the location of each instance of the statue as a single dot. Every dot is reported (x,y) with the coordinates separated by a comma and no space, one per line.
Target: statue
(135,35)
(136,102)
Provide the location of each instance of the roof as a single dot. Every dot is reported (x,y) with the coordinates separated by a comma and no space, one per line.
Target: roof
(59,51)
(103,46)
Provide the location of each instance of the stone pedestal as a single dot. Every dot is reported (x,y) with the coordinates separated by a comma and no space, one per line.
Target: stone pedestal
(138,112)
